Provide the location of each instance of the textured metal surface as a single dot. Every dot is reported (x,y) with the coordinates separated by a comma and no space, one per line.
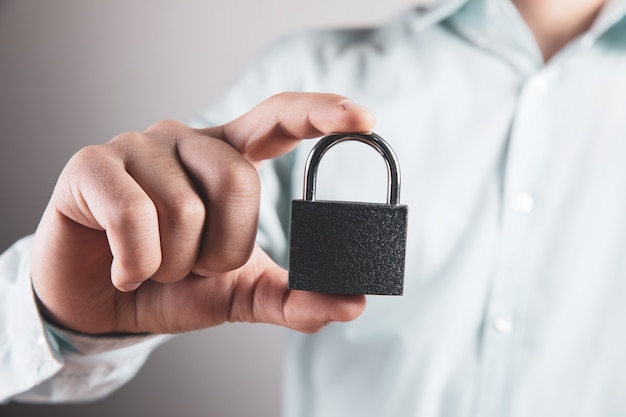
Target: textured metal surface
(347,247)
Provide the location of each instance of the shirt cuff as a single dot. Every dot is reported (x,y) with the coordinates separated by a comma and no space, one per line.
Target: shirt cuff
(28,354)
(40,362)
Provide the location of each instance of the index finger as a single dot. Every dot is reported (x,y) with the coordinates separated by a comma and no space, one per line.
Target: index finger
(276,126)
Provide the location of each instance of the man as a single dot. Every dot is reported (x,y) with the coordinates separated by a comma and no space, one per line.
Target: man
(508,120)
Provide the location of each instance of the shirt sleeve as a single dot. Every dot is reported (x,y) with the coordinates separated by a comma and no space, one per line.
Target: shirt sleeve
(40,363)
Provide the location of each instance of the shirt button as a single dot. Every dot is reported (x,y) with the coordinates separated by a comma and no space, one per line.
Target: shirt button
(523,202)
(538,84)
(503,324)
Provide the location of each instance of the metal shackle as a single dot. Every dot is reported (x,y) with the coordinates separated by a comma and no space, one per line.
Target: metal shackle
(372,139)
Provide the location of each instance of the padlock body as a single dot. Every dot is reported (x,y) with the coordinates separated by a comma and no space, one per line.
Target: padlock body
(347,247)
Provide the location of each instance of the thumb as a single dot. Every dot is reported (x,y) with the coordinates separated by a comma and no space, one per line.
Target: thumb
(276,126)
(303,311)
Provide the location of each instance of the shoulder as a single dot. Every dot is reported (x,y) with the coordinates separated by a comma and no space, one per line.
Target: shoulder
(320,45)
(312,56)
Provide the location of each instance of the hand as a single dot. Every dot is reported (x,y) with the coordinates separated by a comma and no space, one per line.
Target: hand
(154,232)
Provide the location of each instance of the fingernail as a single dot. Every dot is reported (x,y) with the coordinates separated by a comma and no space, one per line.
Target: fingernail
(351,105)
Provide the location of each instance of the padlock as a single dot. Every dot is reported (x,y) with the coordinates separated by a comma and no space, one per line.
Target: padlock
(343,247)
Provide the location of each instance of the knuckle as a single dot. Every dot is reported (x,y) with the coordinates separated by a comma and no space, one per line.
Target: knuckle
(87,164)
(241,180)
(132,212)
(165,128)
(186,208)
(88,155)
(127,139)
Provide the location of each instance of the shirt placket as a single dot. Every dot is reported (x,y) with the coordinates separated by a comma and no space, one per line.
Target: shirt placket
(524,175)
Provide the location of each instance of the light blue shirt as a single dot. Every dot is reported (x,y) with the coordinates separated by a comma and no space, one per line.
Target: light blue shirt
(514,173)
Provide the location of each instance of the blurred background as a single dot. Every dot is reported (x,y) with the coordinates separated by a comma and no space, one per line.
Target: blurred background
(79,72)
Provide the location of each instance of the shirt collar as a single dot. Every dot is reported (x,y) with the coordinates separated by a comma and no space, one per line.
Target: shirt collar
(429,12)
(611,14)
(496,25)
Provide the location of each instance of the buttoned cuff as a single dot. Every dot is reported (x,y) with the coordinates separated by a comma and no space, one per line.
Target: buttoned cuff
(42,363)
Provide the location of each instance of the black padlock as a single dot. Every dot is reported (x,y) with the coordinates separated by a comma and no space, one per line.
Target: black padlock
(345,247)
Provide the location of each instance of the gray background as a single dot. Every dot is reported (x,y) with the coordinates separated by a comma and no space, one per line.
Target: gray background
(78,72)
